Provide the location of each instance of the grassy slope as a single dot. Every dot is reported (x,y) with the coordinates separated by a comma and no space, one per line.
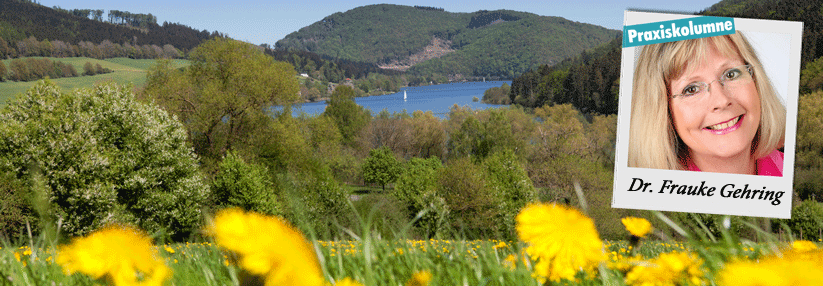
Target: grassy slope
(125,71)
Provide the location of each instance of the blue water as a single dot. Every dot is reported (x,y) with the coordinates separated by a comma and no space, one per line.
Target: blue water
(435,98)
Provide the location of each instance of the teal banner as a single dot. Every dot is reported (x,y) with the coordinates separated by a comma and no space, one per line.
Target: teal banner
(676,30)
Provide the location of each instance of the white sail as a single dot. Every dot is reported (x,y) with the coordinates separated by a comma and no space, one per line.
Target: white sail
(404,95)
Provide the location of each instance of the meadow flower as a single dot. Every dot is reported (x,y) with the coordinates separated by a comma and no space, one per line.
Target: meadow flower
(121,254)
(347,282)
(624,264)
(421,278)
(667,269)
(562,240)
(773,271)
(639,227)
(510,262)
(803,245)
(267,246)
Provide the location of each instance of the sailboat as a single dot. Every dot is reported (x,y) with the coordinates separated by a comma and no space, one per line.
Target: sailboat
(404,95)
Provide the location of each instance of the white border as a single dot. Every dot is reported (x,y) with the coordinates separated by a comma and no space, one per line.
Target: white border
(777,44)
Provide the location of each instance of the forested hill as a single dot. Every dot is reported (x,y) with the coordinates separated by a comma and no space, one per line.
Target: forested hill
(810,12)
(22,19)
(591,80)
(425,40)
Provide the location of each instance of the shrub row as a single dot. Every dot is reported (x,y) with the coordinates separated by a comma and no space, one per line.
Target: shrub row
(33,69)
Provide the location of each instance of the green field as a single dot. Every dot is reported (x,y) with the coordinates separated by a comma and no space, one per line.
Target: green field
(125,71)
(374,261)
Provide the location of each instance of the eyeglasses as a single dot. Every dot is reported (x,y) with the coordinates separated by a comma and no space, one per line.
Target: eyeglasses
(730,79)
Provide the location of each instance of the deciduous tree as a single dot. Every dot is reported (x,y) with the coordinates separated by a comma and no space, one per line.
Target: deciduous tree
(349,117)
(223,96)
(381,167)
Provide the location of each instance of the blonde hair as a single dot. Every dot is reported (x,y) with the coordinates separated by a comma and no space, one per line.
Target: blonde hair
(653,142)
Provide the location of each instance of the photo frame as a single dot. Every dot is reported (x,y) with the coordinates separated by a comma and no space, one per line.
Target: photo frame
(777,45)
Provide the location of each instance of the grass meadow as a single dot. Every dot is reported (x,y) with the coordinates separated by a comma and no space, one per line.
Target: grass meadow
(125,70)
(391,262)
(369,259)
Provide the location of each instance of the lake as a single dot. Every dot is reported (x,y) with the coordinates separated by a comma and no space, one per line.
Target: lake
(435,98)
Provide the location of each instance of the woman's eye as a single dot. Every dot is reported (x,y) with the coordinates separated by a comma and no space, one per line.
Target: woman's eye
(732,74)
(691,90)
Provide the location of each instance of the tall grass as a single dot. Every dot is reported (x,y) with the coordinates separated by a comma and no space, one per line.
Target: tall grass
(366,257)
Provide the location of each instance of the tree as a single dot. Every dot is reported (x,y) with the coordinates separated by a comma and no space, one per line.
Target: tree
(5,50)
(104,158)
(19,70)
(428,135)
(88,69)
(809,164)
(349,117)
(99,69)
(224,95)
(381,167)
(2,71)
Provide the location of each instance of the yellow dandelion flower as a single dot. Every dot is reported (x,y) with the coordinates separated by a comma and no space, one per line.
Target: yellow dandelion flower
(803,245)
(796,270)
(562,241)
(502,244)
(420,278)
(667,269)
(347,282)
(122,254)
(169,249)
(267,246)
(510,262)
(639,227)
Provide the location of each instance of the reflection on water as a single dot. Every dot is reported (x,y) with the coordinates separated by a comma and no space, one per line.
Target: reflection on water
(436,98)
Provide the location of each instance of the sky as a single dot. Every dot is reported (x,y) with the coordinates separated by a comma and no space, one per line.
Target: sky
(259,22)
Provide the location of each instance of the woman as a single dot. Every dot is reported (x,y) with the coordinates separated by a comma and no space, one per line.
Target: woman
(705,105)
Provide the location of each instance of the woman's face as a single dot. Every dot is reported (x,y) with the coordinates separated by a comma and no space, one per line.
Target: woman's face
(720,122)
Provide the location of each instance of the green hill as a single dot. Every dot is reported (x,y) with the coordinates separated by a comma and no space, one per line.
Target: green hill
(499,43)
(125,70)
(21,19)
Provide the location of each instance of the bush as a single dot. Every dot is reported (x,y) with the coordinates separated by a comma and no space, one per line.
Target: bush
(88,69)
(507,179)
(15,210)
(104,158)
(417,189)
(2,71)
(807,220)
(472,210)
(317,202)
(244,185)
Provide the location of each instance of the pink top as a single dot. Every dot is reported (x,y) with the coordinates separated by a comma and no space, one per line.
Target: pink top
(771,165)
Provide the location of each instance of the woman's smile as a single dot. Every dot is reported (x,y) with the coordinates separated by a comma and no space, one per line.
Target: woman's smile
(726,127)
